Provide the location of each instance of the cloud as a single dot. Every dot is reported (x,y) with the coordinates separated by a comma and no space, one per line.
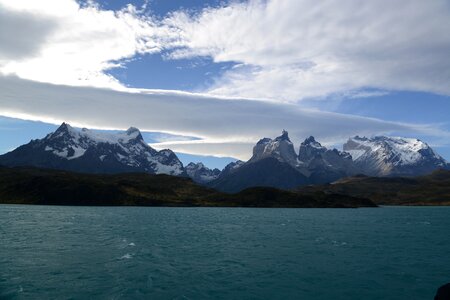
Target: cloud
(61,42)
(286,50)
(296,49)
(226,126)
(22,34)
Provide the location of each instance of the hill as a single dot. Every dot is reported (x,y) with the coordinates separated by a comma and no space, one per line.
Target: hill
(433,189)
(22,185)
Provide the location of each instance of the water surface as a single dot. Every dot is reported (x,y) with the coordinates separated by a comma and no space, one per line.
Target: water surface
(56,252)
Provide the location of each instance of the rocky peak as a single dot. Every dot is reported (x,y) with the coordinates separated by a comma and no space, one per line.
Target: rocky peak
(63,130)
(132,130)
(311,141)
(280,148)
(283,137)
(310,149)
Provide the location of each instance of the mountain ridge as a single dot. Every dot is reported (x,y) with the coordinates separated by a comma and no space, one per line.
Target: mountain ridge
(274,162)
(88,151)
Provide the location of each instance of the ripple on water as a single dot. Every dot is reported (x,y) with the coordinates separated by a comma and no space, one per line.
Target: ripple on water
(222,253)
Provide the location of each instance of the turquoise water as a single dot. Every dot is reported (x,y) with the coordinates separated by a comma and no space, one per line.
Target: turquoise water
(54,252)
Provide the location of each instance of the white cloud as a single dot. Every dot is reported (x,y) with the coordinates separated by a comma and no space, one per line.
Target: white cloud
(64,43)
(286,50)
(228,127)
(294,49)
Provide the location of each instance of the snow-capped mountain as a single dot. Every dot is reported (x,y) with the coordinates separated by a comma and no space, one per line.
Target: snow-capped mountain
(87,151)
(200,173)
(393,156)
(275,163)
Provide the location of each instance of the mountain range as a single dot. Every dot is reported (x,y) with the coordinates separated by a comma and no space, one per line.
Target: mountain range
(274,162)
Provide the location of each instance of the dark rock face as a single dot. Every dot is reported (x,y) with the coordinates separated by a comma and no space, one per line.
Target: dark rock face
(92,152)
(309,149)
(274,163)
(268,172)
(322,164)
(443,293)
(231,167)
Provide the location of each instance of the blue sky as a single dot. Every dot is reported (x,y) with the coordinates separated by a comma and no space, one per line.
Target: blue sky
(155,72)
(295,54)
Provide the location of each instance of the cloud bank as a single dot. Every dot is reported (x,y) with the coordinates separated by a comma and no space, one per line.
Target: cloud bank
(226,126)
(295,49)
(284,50)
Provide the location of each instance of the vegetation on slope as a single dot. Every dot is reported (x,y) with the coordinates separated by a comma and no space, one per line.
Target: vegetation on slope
(43,186)
(433,189)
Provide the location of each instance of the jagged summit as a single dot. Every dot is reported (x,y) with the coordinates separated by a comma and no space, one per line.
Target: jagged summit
(312,142)
(283,137)
(280,148)
(94,152)
(309,140)
(275,163)
(64,128)
(310,149)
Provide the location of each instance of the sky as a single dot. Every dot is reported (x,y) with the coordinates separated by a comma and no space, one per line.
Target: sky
(208,79)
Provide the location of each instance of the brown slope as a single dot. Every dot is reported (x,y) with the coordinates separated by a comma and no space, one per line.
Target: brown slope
(433,189)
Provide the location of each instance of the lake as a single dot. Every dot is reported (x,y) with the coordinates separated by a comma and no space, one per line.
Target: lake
(56,252)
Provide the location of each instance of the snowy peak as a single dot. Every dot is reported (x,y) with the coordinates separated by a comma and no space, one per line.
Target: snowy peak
(383,156)
(400,151)
(200,173)
(86,137)
(280,148)
(97,152)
